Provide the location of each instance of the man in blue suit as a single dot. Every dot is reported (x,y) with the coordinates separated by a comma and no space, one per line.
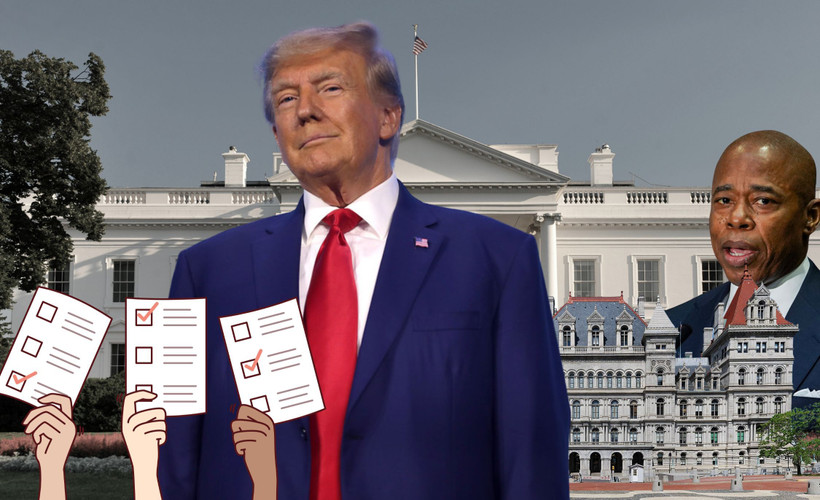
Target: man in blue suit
(763,212)
(458,391)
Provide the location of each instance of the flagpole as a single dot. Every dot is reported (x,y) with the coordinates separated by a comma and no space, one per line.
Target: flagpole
(416,61)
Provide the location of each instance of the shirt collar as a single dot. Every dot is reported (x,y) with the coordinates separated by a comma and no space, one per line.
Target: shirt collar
(784,290)
(375,207)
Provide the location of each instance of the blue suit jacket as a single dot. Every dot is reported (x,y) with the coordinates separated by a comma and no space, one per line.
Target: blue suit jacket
(692,316)
(458,390)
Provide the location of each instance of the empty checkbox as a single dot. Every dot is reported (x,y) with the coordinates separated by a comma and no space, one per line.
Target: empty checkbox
(144,355)
(32,346)
(261,404)
(46,312)
(241,332)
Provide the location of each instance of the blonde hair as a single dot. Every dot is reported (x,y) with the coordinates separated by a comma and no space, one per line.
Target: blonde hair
(362,38)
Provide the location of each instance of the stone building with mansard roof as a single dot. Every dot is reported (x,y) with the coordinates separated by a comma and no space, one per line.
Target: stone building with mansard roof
(633,402)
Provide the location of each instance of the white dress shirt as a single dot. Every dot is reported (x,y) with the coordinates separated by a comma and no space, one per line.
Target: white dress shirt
(366,241)
(784,290)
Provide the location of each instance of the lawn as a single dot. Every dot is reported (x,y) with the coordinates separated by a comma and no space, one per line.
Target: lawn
(80,486)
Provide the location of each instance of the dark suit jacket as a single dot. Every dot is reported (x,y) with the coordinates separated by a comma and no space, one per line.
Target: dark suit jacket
(694,315)
(458,391)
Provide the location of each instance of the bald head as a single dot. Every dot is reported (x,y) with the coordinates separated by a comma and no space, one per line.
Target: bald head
(781,152)
(763,208)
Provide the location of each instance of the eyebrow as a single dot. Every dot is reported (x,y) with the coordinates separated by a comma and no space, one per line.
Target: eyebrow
(755,187)
(316,79)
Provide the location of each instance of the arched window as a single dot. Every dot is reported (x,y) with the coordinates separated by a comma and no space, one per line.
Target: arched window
(596,336)
(580,380)
(600,380)
(741,376)
(619,380)
(613,436)
(778,405)
(624,335)
(613,409)
(633,435)
(576,435)
(715,405)
(596,409)
(659,460)
(609,380)
(713,435)
(683,458)
(638,380)
(715,458)
(699,436)
(778,376)
(628,380)
(759,379)
(659,404)
(699,459)
(741,406)
(660,376)
(759,403)
(571,380)
(699,408)
(567,336)
(596,435)
(682,436)
(684,407)
(659,435)
(741,435)
(633,409)
(590,379)
(576,409)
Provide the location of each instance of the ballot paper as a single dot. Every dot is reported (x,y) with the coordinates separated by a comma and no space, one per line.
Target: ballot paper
(271,361)
(54,348)
(165,353)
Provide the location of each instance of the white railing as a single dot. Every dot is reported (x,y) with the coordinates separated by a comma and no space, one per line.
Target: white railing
(647,197)
(123,197)
(583,197)
(252,197)
(189,198)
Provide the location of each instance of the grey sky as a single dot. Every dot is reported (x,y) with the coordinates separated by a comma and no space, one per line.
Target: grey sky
(667,84)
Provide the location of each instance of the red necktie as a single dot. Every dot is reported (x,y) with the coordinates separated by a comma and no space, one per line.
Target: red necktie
(331,321)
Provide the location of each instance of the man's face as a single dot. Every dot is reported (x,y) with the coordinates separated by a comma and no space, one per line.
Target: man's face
(756,218)
(327,124)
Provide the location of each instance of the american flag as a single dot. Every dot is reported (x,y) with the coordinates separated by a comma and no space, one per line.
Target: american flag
(418,46)
(421,242)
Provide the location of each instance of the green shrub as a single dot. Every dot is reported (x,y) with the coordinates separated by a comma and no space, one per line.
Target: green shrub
(86,445)
(98,408)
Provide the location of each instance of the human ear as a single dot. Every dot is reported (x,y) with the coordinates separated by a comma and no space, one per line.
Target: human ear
(812,216)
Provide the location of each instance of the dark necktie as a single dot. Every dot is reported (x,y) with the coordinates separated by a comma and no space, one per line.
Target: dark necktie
(331,321)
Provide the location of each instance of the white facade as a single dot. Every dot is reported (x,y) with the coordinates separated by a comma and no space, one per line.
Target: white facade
(624,239)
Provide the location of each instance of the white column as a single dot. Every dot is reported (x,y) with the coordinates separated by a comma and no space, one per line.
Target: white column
(545,225)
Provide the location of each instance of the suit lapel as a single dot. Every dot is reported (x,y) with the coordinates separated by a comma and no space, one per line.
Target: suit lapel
(402,272)
(276,259)
(803,313)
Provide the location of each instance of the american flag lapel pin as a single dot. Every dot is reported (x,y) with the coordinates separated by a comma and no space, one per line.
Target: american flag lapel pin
(421,242)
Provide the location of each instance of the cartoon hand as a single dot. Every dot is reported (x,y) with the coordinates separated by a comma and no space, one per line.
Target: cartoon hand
(144,432)
(253,437)
(53,432)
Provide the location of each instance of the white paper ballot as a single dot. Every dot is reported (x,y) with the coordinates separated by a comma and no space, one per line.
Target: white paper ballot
(54,348)
(165,353)
(271,361)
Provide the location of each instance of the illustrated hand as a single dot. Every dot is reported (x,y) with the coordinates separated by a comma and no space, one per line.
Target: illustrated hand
(253,437)
(53,432)
(144,432)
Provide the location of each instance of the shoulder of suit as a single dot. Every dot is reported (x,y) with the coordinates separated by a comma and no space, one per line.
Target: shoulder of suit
(240,236)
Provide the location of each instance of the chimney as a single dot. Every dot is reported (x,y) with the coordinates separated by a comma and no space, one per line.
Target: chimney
(236,167)
(600,166)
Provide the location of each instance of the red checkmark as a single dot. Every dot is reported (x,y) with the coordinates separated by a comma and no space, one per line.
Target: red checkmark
(251,367)
(148,314)
(21,380)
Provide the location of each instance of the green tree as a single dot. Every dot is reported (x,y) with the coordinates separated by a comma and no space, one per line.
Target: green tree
(49,175)
(792,435)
